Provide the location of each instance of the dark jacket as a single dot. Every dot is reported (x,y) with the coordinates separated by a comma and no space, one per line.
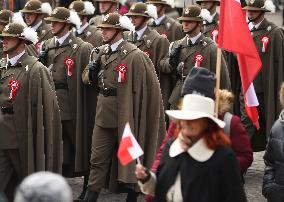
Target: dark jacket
(273,180)
(215,180)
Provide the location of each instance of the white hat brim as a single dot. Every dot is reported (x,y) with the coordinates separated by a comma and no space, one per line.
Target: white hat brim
(192,115)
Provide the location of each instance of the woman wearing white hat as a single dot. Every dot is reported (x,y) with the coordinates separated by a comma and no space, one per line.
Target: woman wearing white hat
(198,165)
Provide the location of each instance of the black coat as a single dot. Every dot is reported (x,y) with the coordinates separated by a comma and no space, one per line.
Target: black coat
(273,180)
(215,180)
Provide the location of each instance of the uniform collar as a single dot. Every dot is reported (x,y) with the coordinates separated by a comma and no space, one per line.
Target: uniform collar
(13,61)
(62,39)
(160,19)
(199,151)
(194,39)
(81,29)
(35,27)
(258,24)
(141,32)
(115,45)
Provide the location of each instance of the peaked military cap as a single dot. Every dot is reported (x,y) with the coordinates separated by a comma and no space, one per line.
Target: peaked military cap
(157,2)
(256,5)
(111,20)
(32,6)
(5,16)
(59,14)
(14,30)
(112,1)
(199,1)
(138,9)
(79,7)
(191,13)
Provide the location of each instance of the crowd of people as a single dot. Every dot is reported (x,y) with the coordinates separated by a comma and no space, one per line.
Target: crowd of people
(73,74)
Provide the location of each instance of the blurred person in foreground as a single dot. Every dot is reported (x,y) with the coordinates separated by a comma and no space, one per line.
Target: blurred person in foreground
(273,180)
(197,159)
(44,186)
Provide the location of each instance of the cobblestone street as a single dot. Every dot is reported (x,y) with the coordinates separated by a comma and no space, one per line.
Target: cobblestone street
(253,184)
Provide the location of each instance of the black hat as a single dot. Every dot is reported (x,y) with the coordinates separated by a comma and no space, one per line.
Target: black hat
(199,81)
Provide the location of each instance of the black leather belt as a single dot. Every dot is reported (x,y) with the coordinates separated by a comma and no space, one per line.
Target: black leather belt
(107,92)
(61,86)
(7,110)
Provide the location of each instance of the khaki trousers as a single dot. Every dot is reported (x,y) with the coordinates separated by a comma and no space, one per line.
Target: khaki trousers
(103,146)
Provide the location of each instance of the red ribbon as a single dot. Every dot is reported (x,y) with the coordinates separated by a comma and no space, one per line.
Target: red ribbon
(214,34)
(69,63)
(38,46)
(14,86)
(164,35)
(147,53)
(264,40)
(121,69)
(198,58)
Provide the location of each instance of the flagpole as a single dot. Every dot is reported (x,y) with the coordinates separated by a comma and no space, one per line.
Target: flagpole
(218,74)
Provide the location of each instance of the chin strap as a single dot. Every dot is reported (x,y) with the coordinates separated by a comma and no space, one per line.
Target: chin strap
(112,38)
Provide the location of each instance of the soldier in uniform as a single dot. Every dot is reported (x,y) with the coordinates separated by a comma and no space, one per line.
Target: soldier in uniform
(193,50)
(34,12)
(105,7)
(150,42)
(210,29)
(269,42)
(129,91)
(65,56)
(165,25)
(86,32)
(30,138)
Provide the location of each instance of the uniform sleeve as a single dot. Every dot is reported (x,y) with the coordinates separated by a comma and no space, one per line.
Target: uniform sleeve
(162,47)
(87,51)
(165,66)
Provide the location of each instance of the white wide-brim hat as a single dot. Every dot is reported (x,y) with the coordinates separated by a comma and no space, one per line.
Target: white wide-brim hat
(195,107)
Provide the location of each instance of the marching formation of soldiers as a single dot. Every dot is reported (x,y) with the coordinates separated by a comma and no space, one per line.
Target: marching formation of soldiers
(70,81)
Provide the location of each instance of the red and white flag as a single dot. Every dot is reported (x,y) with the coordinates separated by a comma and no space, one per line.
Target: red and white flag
(234,36)
(129,149)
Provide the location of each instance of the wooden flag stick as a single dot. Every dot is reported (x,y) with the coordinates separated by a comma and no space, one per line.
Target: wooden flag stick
(218,74)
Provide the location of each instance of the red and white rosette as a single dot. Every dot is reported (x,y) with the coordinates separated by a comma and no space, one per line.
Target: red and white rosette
(69,63)
(214,34)
(121,69)
(147,53)
(14,86)
(198,58)
(164,35)
(38,46)
(264,40)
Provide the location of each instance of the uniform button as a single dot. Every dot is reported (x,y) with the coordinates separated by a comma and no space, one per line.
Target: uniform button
(105,77)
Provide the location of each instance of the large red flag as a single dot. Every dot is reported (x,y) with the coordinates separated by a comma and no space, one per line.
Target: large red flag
(234,36)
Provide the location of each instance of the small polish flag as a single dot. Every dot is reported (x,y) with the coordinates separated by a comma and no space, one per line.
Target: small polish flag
(129,149)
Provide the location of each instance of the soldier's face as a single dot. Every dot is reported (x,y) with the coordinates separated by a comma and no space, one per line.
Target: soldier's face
(30,18)
(206,5)
(187,26)
(108,33)
(137,20)
(9,43)
(253,14)
(56,27)
(104,6)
